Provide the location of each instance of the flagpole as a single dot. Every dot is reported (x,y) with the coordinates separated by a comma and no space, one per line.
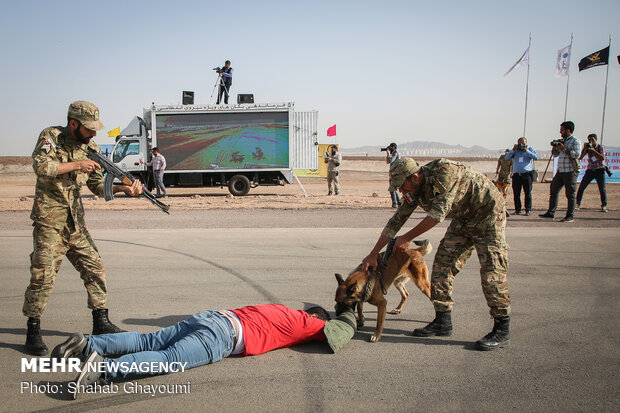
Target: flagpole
(568,78)
(605,98)
(527,83)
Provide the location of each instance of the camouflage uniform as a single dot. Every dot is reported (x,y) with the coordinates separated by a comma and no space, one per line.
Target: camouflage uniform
(332,173)
(453,190)
(59,227)
(505,169)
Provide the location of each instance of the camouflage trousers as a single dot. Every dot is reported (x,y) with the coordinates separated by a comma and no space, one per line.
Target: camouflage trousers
(333,182)
(50,246)
(455,249)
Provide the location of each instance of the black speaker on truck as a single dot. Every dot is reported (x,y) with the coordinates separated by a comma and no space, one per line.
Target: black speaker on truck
(188,97)
(245,98)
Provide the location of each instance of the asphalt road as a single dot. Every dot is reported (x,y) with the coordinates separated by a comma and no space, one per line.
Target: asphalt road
(564,353)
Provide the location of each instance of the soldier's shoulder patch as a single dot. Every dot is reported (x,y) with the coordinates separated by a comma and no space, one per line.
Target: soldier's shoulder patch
(408,197)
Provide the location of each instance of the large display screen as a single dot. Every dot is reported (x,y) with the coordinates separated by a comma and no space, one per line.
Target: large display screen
(207,141)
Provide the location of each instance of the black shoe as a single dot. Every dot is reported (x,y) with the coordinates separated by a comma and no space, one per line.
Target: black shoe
(546,215)
(34,342)
(527,213)
(440,326)
(517,212)
(73,346)
(394,205)
(567,219)
(87,377)
(101,324)
(499,337)
(329,193)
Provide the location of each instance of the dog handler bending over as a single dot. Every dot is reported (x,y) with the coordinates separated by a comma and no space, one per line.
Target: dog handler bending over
(208,337)
(447,189)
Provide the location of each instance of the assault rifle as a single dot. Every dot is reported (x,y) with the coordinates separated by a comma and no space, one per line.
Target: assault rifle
(114,171)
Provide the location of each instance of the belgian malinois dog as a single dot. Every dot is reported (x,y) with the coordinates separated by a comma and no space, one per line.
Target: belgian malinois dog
(371,286)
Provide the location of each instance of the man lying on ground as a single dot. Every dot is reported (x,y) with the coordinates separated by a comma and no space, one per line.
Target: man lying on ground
(204,338)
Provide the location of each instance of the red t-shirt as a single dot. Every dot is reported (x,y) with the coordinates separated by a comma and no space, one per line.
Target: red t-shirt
(271,326)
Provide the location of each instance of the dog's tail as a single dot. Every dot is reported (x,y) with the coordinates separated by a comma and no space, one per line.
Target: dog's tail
(425,246)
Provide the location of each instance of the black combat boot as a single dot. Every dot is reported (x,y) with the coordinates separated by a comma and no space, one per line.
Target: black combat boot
(440,326)
(499,337)
(34,341)
(101,324)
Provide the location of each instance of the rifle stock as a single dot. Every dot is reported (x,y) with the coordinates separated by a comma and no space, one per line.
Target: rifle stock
(114,171)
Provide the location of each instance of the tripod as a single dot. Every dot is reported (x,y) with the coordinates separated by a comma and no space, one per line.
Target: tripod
(219,82)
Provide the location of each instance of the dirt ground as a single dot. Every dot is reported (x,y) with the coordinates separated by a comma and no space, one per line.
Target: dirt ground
(363,186)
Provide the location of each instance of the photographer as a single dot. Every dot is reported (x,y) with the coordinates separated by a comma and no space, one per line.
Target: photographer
(391,157)
(225,82)
(596,170)
(523,157)
(333,160)
(567,151)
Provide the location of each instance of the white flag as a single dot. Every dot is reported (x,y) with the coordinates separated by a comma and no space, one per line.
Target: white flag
(523,60)
(561,68)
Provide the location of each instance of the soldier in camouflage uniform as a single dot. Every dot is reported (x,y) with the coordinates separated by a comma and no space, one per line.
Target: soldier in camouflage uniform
(504,168)
(448,189)
(62,168)
(333,162)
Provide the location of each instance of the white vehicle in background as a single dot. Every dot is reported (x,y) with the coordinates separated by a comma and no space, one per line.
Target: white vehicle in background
(238,146)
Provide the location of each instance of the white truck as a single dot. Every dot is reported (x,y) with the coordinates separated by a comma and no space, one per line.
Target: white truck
(238,146)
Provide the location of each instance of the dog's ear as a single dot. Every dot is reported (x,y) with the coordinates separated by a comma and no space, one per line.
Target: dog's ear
(339,279)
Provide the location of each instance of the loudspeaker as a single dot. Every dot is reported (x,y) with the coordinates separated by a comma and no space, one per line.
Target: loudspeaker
(188,97)
(245,98)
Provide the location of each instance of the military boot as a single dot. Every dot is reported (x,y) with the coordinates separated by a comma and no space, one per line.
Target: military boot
(499,337)
(101,324)
(34,341)
(440,326)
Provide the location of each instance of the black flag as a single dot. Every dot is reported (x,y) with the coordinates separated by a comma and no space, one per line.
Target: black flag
(599,58)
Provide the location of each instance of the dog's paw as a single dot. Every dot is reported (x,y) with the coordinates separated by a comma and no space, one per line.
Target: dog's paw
(360,323)
(374,338)
(395,311)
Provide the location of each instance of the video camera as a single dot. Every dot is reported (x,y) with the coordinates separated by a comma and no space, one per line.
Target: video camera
(218,69)
(557,142)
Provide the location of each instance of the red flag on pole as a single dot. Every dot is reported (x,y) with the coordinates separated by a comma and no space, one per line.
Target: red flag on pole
(331,131)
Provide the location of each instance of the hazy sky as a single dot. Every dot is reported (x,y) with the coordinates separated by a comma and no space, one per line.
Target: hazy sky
(381,70)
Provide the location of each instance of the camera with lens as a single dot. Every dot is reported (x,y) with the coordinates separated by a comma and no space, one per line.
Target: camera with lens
(587,145)
(522,147)
(217,69)
(557,142)
(385,149)
(607,170)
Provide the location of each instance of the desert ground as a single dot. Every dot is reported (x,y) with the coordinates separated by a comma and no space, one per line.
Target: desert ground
(363,186)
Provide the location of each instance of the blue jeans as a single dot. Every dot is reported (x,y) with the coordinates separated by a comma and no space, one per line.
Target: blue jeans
(204,338)
(599,175)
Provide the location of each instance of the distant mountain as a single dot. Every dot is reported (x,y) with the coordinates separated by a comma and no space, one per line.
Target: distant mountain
(427,149)
(438,149)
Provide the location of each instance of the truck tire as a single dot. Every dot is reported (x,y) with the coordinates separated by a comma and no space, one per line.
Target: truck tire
(239,185)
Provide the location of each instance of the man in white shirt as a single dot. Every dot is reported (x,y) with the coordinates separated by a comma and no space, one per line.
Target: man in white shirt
(159,165)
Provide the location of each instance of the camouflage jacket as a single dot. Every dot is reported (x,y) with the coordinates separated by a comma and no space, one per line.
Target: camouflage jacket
(505,168)
(57,196)
(334,164)
(450,190)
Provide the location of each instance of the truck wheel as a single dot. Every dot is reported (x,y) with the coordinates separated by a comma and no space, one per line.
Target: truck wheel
(239,185)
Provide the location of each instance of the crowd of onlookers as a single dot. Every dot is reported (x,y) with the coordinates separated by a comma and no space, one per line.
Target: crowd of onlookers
(516,167)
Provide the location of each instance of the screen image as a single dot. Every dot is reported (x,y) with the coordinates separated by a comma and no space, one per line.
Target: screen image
(207,141)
